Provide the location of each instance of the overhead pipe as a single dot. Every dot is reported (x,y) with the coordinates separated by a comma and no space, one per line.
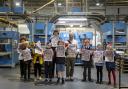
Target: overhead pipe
(43,6)
(8,22)
(121,3)
(114,2)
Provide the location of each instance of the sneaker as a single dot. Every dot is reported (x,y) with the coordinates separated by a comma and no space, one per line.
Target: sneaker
(83,80)
(97,82)
(90,80)
(50,80)
(101,82)
(67,79)
(40,78)
(45,80)
(71,79)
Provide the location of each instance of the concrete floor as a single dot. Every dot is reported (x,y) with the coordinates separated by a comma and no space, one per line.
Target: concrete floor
(9,79)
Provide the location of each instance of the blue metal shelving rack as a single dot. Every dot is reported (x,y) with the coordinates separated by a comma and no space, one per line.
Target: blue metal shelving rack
(8,48)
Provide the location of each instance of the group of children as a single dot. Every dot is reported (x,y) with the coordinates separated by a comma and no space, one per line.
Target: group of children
(38,57)
(29,55)
(100,57)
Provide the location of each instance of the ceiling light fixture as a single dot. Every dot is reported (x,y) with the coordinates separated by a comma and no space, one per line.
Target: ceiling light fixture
(72,19)
(98,4)
(71,25)
(59,4)
(17,3)
(81,25)
(61,22)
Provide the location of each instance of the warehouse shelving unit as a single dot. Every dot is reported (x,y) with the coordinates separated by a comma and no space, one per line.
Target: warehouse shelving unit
(8,47)
(9,33)
(43,32)
(39,32)
(125,66)
(120,43)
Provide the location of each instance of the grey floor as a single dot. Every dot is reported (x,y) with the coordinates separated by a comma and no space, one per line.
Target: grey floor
(9,79)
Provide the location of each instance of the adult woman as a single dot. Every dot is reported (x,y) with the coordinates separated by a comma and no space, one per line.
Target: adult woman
(54,41)
(71,56)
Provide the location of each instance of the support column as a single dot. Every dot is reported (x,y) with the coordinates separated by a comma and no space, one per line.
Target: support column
(56,8)
(113,34)
(95,38)
(127,34)
(66,6)
(46,33)
(86,7)
(33,30)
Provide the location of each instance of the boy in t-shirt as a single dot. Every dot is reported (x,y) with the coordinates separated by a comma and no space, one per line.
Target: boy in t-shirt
(26,55)
(48,61)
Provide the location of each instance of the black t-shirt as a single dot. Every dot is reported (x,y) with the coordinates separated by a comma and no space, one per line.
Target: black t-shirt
(60,60)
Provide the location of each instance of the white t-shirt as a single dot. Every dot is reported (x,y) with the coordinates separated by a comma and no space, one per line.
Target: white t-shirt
(72,49)
(26,54)
(48,54)
(54,40)
(109,56)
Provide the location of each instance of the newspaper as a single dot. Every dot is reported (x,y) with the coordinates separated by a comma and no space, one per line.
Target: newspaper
(48,55)
(60,51)
(85,54)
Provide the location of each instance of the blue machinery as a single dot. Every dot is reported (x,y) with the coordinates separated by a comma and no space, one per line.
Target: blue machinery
(8,48)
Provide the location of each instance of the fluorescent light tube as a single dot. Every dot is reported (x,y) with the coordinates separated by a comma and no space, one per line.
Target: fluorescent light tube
(73,19)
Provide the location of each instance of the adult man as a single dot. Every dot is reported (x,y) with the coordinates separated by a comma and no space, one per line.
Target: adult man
(86,57)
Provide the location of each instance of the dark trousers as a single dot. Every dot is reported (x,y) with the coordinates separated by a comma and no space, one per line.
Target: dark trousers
(99,73)
(21,68)
(70,62)
(54,61)
(27,69)
(37,69)
(48,69)
(87,66)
